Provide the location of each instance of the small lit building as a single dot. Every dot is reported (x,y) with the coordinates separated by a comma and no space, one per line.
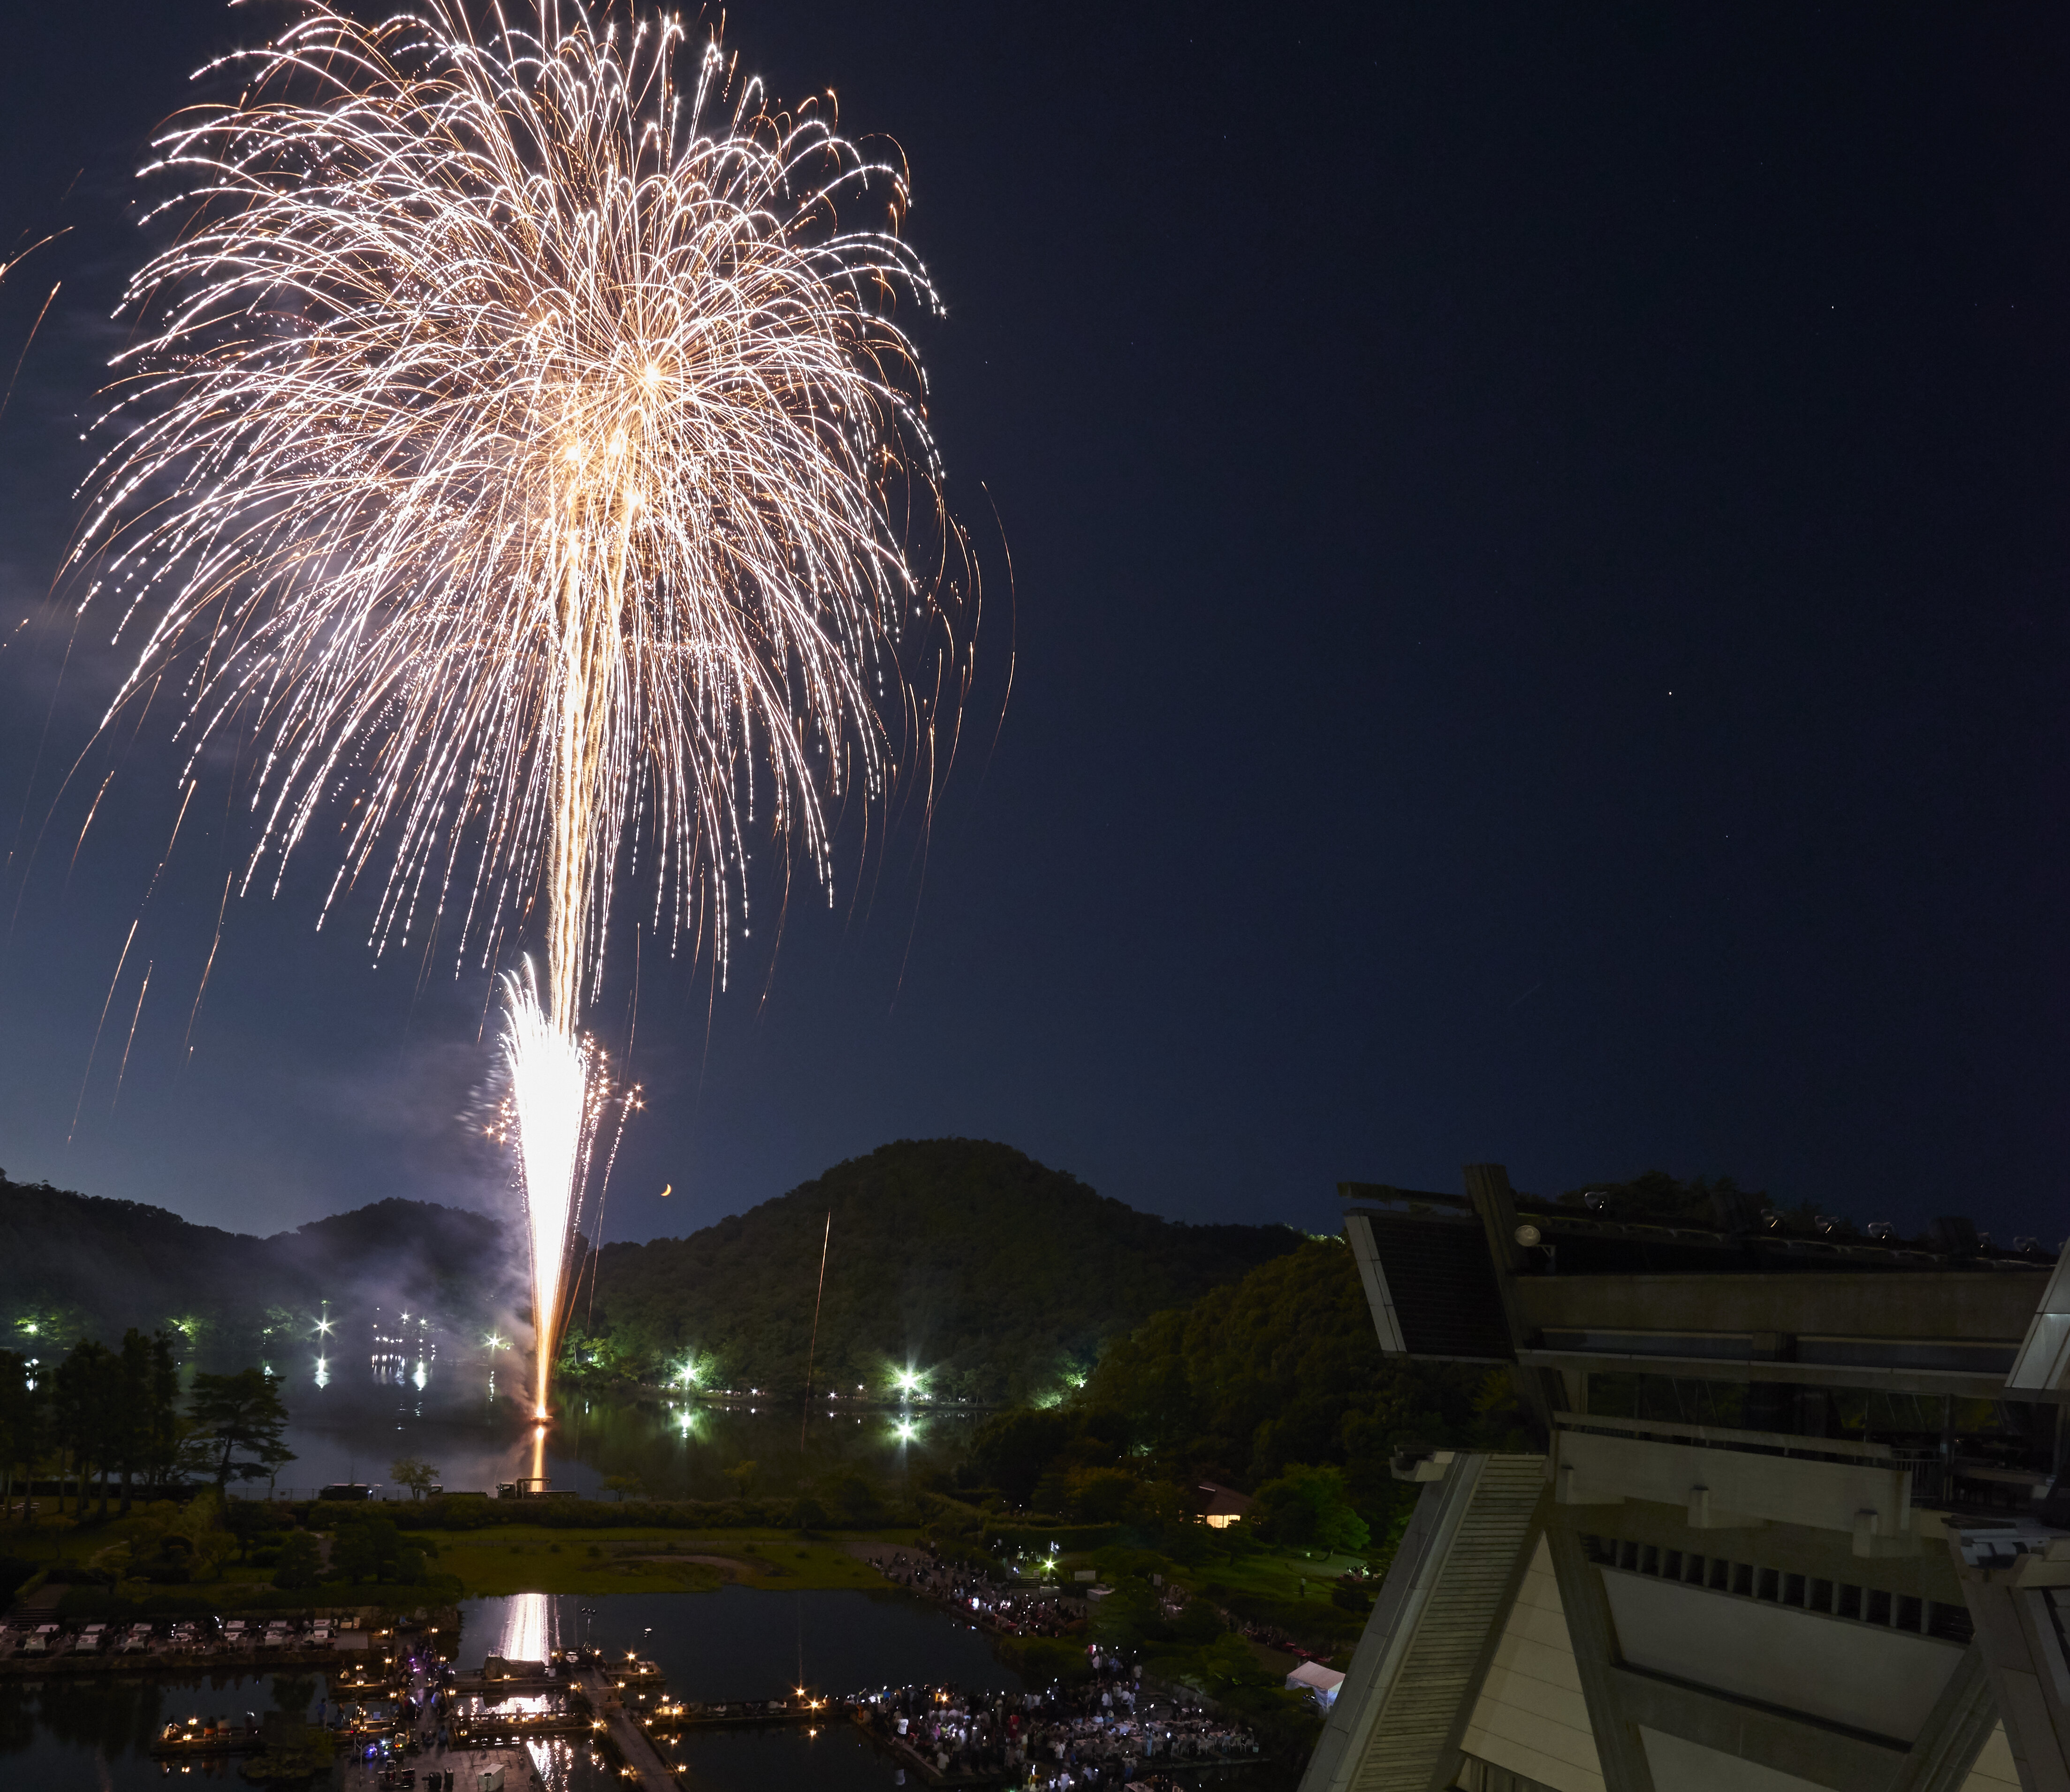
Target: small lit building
(1223,1507)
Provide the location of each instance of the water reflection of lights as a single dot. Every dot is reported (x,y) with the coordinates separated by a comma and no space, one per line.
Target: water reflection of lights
(904,1430)
(528,1634)
(528,1628)
(323,1371)
(400,1359)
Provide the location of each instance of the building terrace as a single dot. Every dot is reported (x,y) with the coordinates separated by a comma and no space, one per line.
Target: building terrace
(1796,1513)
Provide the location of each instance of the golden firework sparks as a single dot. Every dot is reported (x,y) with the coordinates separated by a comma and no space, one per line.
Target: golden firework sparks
(528,452)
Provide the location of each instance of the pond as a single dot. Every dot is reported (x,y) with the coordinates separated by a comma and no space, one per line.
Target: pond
(734,1643)
(739,1643)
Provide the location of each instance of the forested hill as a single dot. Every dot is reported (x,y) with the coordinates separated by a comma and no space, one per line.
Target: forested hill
(952,1255)
(969,1261)
(76,1265)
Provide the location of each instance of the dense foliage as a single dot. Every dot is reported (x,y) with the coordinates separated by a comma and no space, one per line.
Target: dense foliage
(117,1416)
(1275,1385)
(1655,1195)
(114,1413)
(74,1265)
(998,1277)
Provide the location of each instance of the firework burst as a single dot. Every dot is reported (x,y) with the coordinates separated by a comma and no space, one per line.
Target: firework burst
(527,454)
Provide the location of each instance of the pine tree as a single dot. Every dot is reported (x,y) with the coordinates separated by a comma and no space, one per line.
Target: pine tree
(242,1412)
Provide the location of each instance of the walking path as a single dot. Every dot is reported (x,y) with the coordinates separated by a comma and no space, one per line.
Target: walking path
(464,1765)
(42,1604)
(634,1744)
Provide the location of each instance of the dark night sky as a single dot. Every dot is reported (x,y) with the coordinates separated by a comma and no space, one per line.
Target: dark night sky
(1539,546)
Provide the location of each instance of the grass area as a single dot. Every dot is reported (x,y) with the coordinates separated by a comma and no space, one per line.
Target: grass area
(629,1558)
(1286,1588)
(1272,1575)
(515,1558)
(1260,1573)
(526,1559)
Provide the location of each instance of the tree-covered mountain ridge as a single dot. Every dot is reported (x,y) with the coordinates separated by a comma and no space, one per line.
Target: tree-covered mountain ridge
(968,1261)
(962,1261)
(74,1265)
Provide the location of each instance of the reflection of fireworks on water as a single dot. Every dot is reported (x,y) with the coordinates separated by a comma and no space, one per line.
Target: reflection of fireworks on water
(513,446)
(528,1628)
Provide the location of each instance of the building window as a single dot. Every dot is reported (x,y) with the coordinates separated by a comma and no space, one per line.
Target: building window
(1902,1611)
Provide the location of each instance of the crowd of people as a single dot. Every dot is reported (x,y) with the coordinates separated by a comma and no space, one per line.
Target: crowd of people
(1013,1611)
(1021,1612)
(1099,1733)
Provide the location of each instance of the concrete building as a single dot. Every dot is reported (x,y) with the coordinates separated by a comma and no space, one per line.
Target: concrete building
(1791,1518)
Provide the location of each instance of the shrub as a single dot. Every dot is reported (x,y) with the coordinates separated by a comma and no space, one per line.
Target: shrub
(1351,1595)
(14,1571)
(1043,1659)
(1100,1495)
(1308,1507)
(302,1561)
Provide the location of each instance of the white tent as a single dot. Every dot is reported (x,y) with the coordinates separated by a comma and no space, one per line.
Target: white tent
(1312,1676)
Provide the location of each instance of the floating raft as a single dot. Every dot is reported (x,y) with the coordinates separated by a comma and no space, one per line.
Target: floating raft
(190,1742)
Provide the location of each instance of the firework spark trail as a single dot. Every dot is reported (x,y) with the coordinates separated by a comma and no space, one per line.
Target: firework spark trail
(8,397)
(123,1070)
(200,989)
(560,1097)
(549,1089)
(129,940)
(526,451)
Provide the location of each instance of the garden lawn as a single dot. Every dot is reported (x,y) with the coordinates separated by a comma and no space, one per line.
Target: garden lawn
(529,1559)
(1272,1575)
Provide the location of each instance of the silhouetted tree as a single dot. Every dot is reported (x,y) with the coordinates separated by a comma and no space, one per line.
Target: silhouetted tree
(242,1412)
(22,1430)
(86,1397)
(414,1473)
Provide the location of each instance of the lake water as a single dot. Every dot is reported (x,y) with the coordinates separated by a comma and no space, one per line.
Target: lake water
(739,1643)
(735,1643)
(352,1425)
(349,1421)
(95,1733)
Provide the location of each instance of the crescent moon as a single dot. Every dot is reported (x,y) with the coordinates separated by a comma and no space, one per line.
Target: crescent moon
(665,1193)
